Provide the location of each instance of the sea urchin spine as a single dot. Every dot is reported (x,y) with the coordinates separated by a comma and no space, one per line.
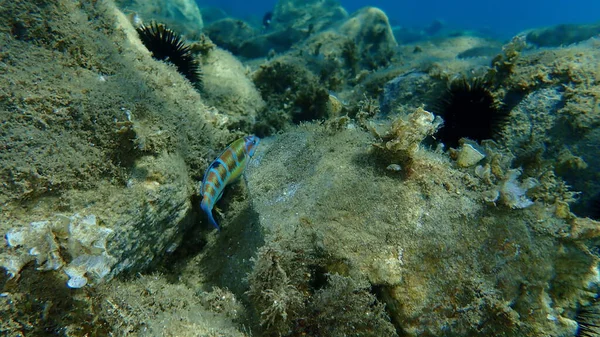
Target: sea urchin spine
(469,110)
(166,45)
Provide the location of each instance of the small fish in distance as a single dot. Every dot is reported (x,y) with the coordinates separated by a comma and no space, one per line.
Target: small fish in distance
(267,20)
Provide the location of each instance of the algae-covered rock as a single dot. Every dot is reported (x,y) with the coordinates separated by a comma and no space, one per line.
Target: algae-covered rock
(229,33)
(371,31)
(562,34)
(292,22)
(312,15)
(405,89)
(468,155)
(212,14)
(95,133)
(350,223)
(182,15)
(102,147)
(150,306)
(554,117)
(292,92)
(301,84)
(442,260)
(228,87)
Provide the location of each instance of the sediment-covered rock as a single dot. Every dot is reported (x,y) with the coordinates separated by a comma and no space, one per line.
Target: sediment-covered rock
(442,259)
(182,15)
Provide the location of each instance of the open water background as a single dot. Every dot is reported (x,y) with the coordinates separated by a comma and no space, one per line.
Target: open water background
(501,18)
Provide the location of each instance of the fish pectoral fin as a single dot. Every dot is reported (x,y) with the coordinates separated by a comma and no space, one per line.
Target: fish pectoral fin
(218,210)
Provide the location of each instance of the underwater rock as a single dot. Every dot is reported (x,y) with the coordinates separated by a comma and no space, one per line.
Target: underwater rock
(242,39)
(423,241)
(483,51)
(554,115)
(273,42)
(406,134)
(562,35)
(101,244)
(230,90)
(79,237)
(292,92)
(513,192)
(153,306)
(407,89)
(103,168)
(468,155)
(291,23)
(182,15)
(370,29)
(341,55)
(212,14)
(309,16)
(229,33)
(97,165)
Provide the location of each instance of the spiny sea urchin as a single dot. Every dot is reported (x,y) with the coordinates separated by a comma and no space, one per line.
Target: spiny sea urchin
(167,45)
(469,111)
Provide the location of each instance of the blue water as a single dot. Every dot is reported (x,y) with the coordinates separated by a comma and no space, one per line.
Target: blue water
(503,18)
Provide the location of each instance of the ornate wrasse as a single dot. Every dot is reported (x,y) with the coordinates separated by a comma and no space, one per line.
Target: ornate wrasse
(227,168)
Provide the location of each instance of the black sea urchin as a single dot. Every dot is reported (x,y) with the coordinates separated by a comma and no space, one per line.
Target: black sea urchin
(166,45)
(594,207)
(469,111)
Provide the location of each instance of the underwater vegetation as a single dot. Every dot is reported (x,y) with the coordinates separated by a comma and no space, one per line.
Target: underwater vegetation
(469,110)
(295,93)
(167,45)
(347,220)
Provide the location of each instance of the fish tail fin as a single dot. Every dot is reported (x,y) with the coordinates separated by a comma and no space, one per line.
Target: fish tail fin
(208,210)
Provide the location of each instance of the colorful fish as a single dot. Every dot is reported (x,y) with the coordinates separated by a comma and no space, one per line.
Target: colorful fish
(227,168)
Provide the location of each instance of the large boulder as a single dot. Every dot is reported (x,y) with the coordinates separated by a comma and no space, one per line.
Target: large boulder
(98,168)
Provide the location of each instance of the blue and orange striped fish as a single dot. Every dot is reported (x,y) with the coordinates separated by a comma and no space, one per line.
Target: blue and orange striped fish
(227,168)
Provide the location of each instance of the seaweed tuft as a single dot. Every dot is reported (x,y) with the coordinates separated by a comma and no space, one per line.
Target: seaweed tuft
(167,45)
